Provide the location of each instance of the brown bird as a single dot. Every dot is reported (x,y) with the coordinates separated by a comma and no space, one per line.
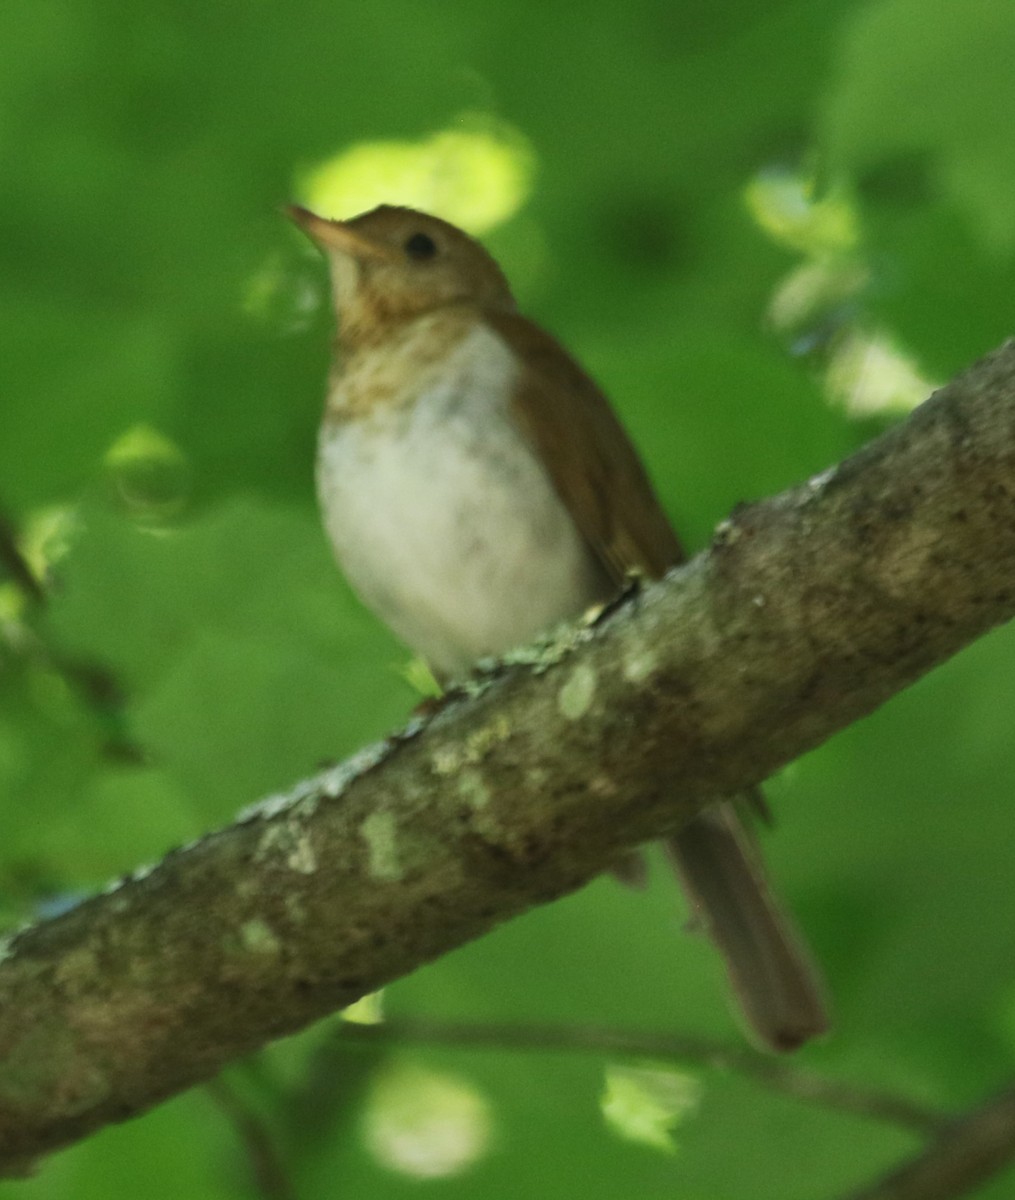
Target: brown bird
(477,488)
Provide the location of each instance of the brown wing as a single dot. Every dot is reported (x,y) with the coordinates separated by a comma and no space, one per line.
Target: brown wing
(594,467)
(598,475)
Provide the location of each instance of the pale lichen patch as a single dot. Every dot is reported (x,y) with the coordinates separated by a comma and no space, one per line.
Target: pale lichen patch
(449,760)
(380,832)
(473,789)
(903,559)
(259,938)
(575,698)
(818,483)
(280,803)
(291,842)
(302,857)
(302,798)
(639,663)
(555,645)
(727,533)
(335,780)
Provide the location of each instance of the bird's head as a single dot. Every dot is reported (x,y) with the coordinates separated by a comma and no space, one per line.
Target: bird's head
(392,264)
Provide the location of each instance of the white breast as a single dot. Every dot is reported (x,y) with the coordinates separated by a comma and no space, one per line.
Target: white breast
(441,517)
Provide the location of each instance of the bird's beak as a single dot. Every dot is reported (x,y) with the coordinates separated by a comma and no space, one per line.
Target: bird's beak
(338,235)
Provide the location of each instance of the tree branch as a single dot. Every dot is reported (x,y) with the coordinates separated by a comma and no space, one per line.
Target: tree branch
(807,612)
(964,1156)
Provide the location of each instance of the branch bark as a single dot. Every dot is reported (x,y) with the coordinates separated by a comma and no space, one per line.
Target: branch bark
(807,612)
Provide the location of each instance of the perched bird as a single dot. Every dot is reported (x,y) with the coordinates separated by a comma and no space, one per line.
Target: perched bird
(477,488)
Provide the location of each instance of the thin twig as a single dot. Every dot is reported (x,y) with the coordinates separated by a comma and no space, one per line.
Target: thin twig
(963,1156)
(269,1177)
(773,1073)
(94,683)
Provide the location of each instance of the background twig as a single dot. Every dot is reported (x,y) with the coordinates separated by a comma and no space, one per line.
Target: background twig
(266,1168)
(966,1154)
(773,1073)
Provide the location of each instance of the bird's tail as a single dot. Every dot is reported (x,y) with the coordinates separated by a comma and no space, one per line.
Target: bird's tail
(772,975)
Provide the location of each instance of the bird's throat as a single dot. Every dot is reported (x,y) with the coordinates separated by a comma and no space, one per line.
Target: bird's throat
(442,517)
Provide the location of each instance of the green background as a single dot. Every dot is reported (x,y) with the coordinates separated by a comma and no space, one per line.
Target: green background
(721,204)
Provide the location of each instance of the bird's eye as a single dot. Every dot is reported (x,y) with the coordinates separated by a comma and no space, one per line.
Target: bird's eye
(421,247)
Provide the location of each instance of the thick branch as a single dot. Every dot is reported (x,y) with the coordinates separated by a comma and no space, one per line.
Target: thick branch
(808,611)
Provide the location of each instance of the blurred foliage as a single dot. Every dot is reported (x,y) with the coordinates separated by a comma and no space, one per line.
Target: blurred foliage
(765,226)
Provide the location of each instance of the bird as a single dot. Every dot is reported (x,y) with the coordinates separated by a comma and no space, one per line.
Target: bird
(477,488)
